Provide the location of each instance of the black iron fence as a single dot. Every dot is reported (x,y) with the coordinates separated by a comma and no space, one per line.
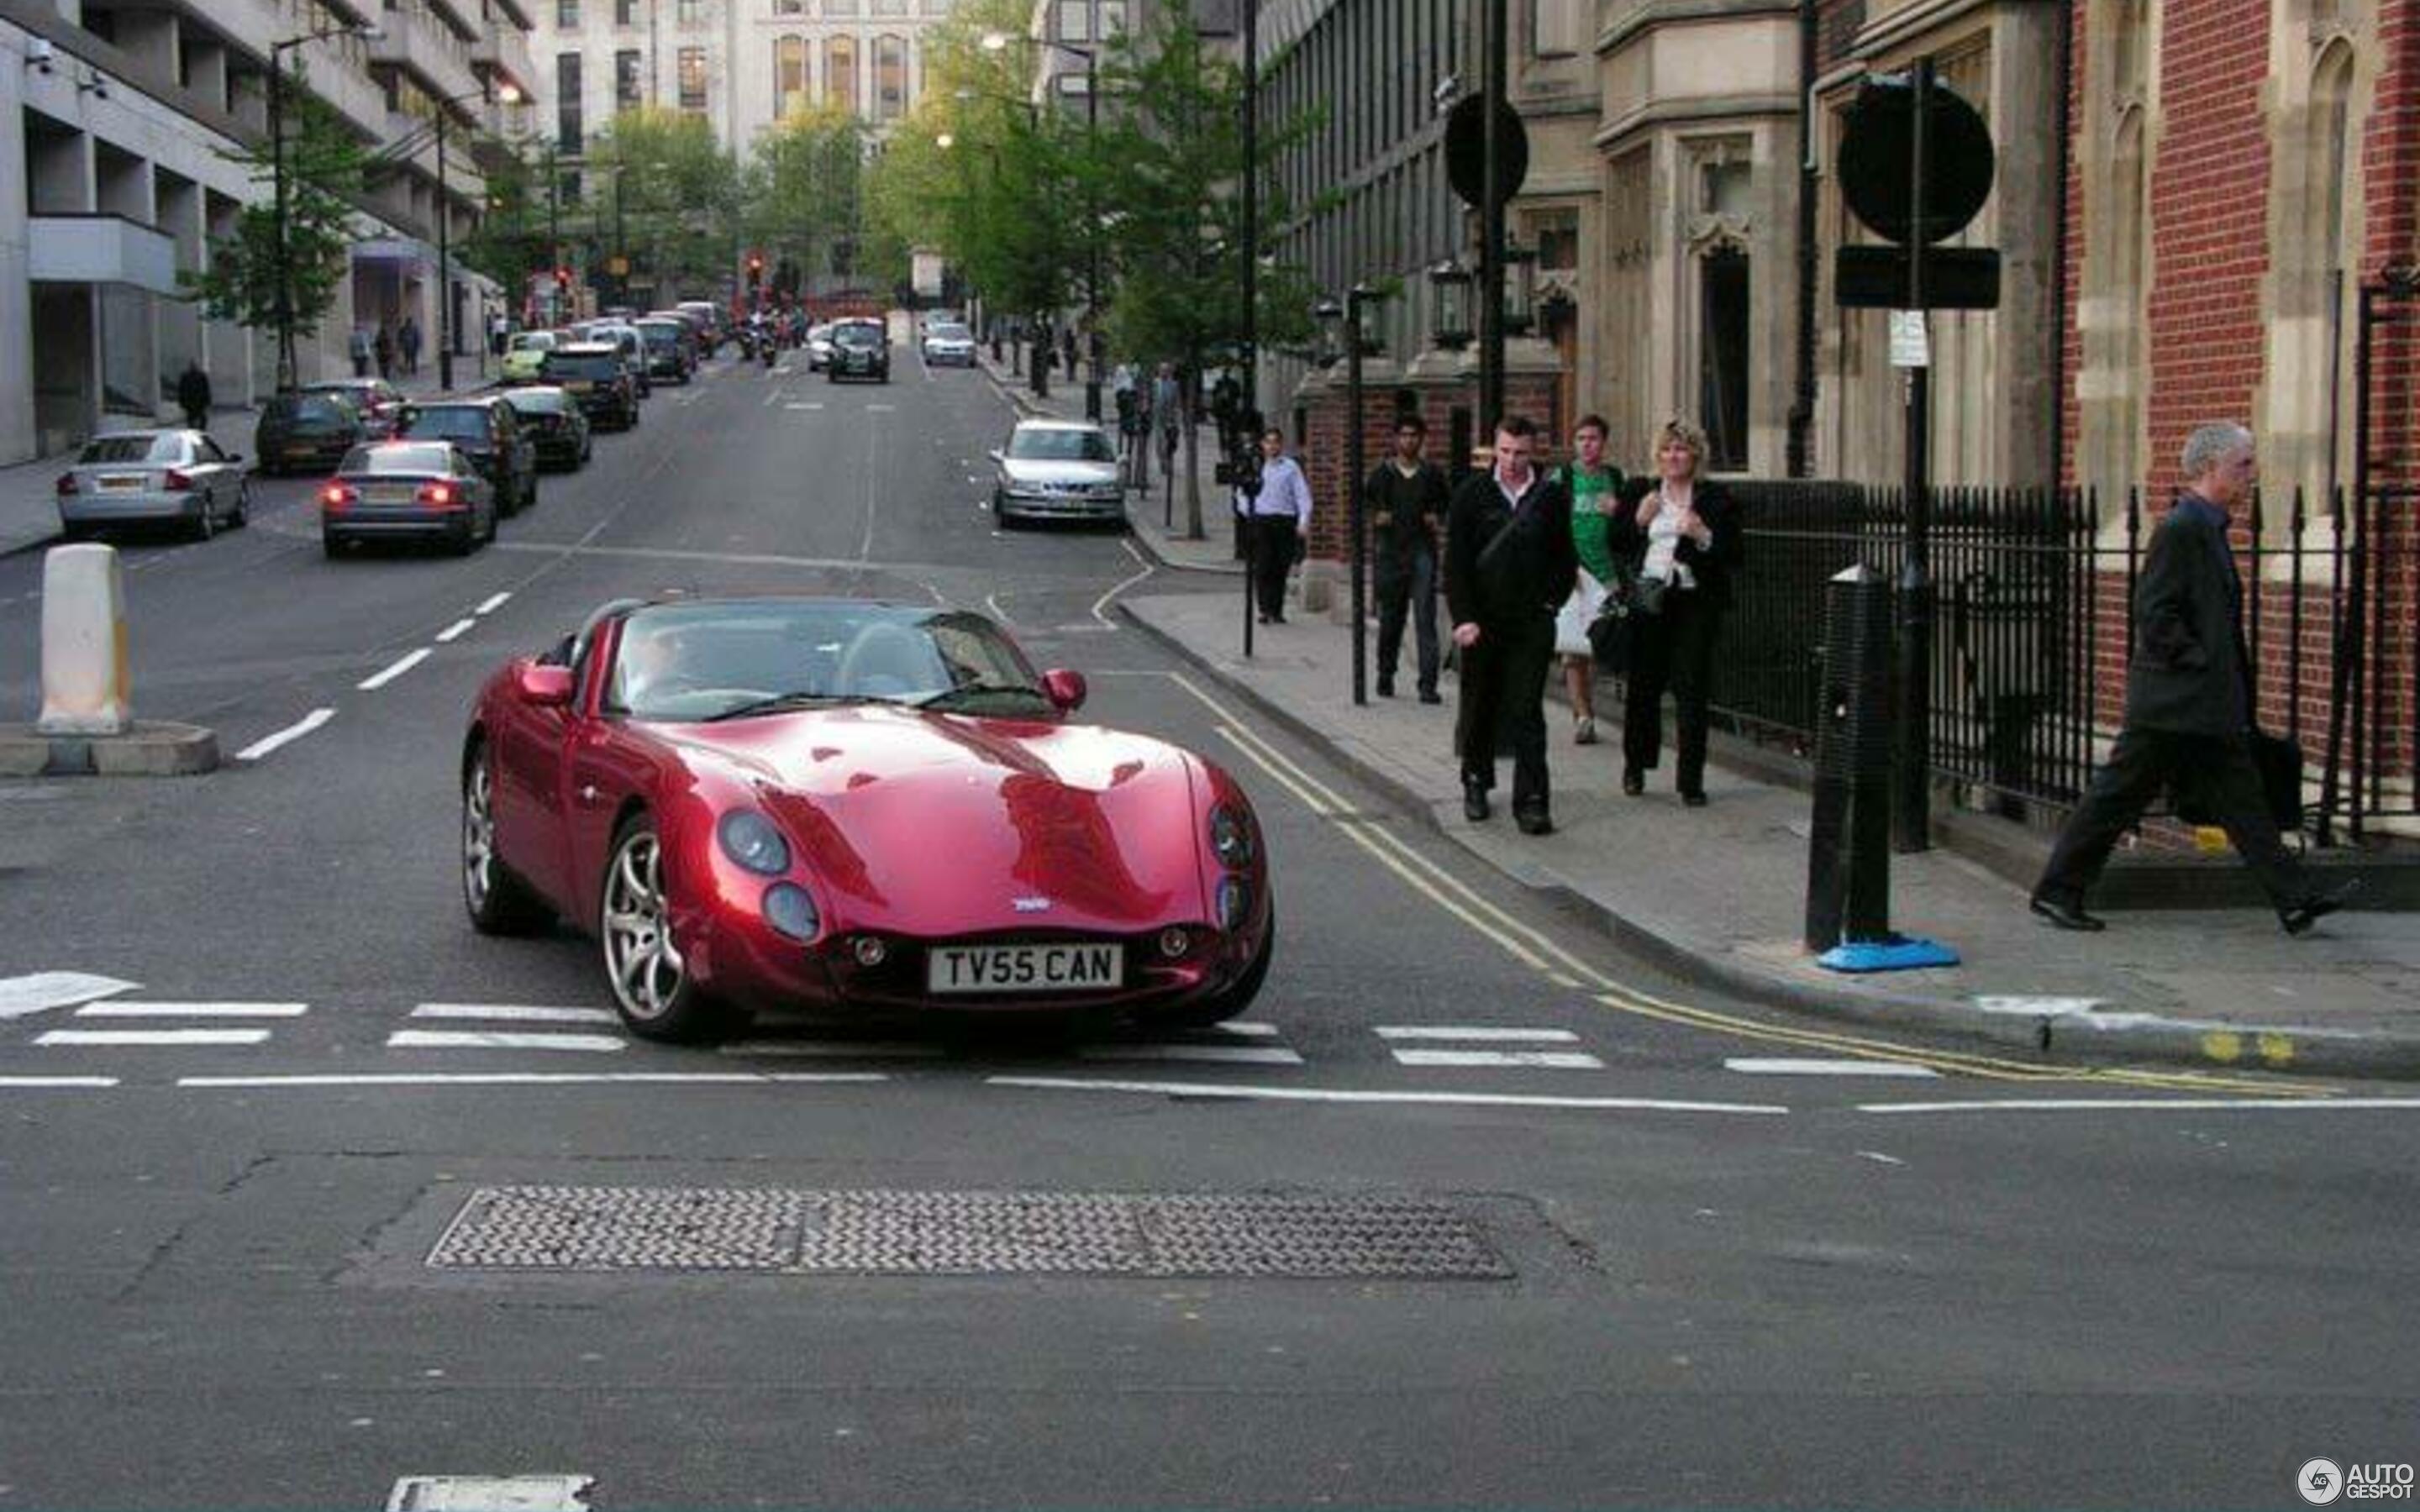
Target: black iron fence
(2032,633)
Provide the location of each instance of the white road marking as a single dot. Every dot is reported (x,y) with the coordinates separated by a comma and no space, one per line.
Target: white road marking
(35,1083)
(45,989)
(1102,604)
(456,630)
(490,1494)
(1535,1059)
(1879,1158)
(2037,1007)
(292,733)
(1321,1094)
(834,1049)
(491,603)
(152,1037)
(500,1040)
(1257,1032)
(2182,1104)
(772,396)
(193,1011)
(1233,1055)
(795,405)
(1787,1066)
(514,1012)
(1451,1031)
(881,408)
(538,1078)
(402,665)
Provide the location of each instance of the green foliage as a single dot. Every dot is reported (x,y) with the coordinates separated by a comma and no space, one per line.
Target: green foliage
(802,189)
(324,168)
(511,242)
(669,193)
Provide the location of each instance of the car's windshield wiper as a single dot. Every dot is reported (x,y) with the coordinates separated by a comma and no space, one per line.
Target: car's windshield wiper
(779,701)
(952,695)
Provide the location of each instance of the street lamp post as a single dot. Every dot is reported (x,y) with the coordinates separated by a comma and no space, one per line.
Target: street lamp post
(1358,514)
(509,95)
(285,311)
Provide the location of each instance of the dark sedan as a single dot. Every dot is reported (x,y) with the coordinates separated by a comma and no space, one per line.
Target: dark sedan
(554,422)
(406,490)
(593,375)
(672,348)
(307,432)
(488,431)
(379,401)
(861,348)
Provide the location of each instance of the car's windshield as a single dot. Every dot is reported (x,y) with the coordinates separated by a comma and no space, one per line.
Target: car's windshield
(535,401)
(134,449)
(312,409)
(460,422)
(947,332)
(686,662)
(436,460)
(860,336)
(1056,445)
(591,365)
(533,341)
(660,335)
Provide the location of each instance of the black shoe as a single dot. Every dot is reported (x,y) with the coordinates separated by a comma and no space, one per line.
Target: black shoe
(1474,803)
(1534,822)
(1430,695)
(1693,800)
(1265,619)
(1634,782)
(1277,619)
(2065,915)
(2299,918)
(1386,687)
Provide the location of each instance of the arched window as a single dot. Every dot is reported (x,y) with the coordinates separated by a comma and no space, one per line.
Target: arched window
(889,78)
(840,72)
(789,73)
(2314,295)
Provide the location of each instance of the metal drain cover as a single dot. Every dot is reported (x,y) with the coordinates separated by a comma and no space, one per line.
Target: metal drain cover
(788,1230)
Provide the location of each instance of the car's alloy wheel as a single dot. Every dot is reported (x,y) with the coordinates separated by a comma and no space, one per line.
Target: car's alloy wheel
(651,985)
(205,524)
(243,515)
(498,902)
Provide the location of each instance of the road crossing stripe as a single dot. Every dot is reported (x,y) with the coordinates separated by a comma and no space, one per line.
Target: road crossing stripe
(1231,1054)
(457,630)
(294,732)
(1778,1066)
(151,1037)
(1324,1094)
(1540,1059)
(123,1010)
(498,1039)
(492,603)
(514,1012)
(833,1049)
(1472,1033)
(2146,1104)
(402,665)
(30,1084)
(538,1078)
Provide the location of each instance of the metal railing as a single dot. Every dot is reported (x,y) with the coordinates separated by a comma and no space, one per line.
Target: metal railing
(2033,632)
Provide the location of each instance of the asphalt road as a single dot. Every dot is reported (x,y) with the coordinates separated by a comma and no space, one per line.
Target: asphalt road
(1946,1280)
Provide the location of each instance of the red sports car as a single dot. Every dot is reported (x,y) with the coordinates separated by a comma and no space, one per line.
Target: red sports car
(844,805)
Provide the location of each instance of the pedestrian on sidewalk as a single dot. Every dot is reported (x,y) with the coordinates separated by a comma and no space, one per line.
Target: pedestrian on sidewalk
(1407,498)
(407,339)
(2189,704)
(361,349)
(1509,565)
(194,395)
(384,348)
(1595,484)
(1279,522)
(1678,537)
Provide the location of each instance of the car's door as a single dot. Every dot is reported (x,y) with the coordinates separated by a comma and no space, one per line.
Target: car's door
(528,742)
(220,477)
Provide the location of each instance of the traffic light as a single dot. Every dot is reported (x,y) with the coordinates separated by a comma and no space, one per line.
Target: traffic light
(756,268)
(562,278)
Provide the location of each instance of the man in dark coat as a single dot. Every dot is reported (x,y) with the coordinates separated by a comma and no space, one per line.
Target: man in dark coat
(2188,703)
(1509,565)
(193,395)
(1406,499)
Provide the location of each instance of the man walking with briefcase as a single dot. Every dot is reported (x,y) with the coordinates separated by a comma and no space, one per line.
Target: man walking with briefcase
(2189,705)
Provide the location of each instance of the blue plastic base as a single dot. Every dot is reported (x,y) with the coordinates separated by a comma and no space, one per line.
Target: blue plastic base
(1897,952)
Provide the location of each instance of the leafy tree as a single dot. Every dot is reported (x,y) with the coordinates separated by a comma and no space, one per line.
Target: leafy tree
(802,189)
(511,242)
(677,201)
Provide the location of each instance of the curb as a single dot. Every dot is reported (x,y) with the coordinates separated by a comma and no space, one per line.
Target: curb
(2297,1049)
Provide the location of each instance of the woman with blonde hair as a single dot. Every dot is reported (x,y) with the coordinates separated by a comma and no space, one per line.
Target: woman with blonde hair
(1679,534)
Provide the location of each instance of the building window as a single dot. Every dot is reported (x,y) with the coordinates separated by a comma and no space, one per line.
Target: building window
(1558,241)
(568,136)
(625,12)
(688,12)
(837,8)
(789,7)
(889,78)
(1554,28)
(692,78)
(566,15)
(890,8)
(628,85)
(840,72)
(789,73)
(1722,356)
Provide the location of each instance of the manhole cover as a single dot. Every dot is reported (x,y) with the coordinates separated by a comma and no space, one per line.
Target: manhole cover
(962,1233)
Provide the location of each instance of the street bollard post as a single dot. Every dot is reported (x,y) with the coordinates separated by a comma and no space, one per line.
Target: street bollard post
(87,686)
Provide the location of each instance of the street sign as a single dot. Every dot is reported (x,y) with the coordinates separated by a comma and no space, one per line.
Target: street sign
(1466,150)
(1877,159)
(618,265)
(1911,344)
(1955,278)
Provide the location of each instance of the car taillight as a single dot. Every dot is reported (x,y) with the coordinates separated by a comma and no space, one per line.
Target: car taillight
(336,496)
(437,495)
(178,480)
(67,483)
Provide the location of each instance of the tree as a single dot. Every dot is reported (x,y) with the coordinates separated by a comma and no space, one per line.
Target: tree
(511,242)
(324,168)
(801,190)
(678,196)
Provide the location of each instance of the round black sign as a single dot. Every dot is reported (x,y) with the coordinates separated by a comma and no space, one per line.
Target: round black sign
(1466,150)
(1878,150)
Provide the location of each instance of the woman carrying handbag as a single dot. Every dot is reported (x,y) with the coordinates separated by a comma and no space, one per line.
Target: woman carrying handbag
(1678,536)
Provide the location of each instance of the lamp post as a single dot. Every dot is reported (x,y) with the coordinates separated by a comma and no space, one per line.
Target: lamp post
(508,94)
(285,311)
(1330,312)
(995,41)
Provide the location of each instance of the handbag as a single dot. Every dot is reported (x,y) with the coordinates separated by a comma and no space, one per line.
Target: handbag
(1609,637)
(1646,595)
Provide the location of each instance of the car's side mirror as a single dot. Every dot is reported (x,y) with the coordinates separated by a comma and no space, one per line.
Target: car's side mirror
(234,457)
(543,686)
(1066,689)
(995,455)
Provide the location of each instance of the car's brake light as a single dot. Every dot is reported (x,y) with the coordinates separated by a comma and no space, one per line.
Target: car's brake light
(336,496)
(437,495)
(67,483)
(178,479)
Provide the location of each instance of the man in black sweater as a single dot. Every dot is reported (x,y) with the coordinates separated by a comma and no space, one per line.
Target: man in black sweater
(1406,499)
(1509,563)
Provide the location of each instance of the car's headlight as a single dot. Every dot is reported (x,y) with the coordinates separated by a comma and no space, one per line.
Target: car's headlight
(751,841)
(1231,837)
(788,909)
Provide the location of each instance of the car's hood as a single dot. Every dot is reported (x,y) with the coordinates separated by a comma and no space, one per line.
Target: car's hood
(940,824)
(1025,469)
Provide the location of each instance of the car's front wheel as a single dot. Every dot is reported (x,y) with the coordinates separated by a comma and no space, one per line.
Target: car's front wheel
(498,902)
(652,988)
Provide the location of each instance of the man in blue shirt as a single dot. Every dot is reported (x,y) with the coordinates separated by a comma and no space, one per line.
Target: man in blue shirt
(1279,518)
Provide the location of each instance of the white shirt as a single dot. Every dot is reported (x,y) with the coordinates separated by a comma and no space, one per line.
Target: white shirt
(1283,491)
(1664,545)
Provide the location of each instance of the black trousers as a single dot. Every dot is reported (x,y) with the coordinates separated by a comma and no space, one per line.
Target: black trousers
(1273,548)
(1503,707)
(1672,650)
(2141,766)
(1409,589)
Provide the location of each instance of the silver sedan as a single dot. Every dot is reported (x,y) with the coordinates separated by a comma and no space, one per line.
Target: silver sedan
(149,477)
(1057,469)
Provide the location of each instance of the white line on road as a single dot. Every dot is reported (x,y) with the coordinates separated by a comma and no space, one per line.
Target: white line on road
(540,1078)
(1101,604)
(834,1049)
(881,408)
(33,1083)
(192,1010)
(500,1040)
(42,991)
(404,664)
(773,397)
(294,732)
(2182,1104)
(1536,1059)
(1474,1033)
(1786,1066)
(491,603)
(1318,1094)
(456,630)
(1231,1054)
(152,1037)
(514,1013)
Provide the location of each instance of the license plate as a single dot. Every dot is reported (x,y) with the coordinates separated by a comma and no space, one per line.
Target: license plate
(121,484)
(389,493)
(302,451)
(577,386)
(1024,968)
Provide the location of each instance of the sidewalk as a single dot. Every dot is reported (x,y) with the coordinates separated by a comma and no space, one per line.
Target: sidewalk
(1718,894)
(29,513)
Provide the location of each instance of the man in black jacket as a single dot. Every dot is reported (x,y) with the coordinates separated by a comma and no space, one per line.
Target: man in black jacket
(2188,703)
(1407,498)
(1509,565)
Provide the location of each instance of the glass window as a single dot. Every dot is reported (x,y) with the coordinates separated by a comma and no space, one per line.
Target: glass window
(840,8)
(789,7)
(840,72)
(627,83)
(1723,357)
(1075,21)
(568,134)
(134,449)
(692,78)
(688,12)
(1061,444)
(566,15)
(890,77)
(789,73)
(890,8)
(625,12)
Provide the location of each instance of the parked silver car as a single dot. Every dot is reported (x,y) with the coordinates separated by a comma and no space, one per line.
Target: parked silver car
(947,342)
(1057,469)
(149,477)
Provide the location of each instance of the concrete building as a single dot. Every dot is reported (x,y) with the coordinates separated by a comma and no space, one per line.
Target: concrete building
(116,123)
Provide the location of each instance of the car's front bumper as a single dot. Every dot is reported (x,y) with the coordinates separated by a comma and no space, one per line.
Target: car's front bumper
(1034,505)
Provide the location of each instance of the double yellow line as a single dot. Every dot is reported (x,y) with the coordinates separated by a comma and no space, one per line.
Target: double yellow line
(1566,971)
